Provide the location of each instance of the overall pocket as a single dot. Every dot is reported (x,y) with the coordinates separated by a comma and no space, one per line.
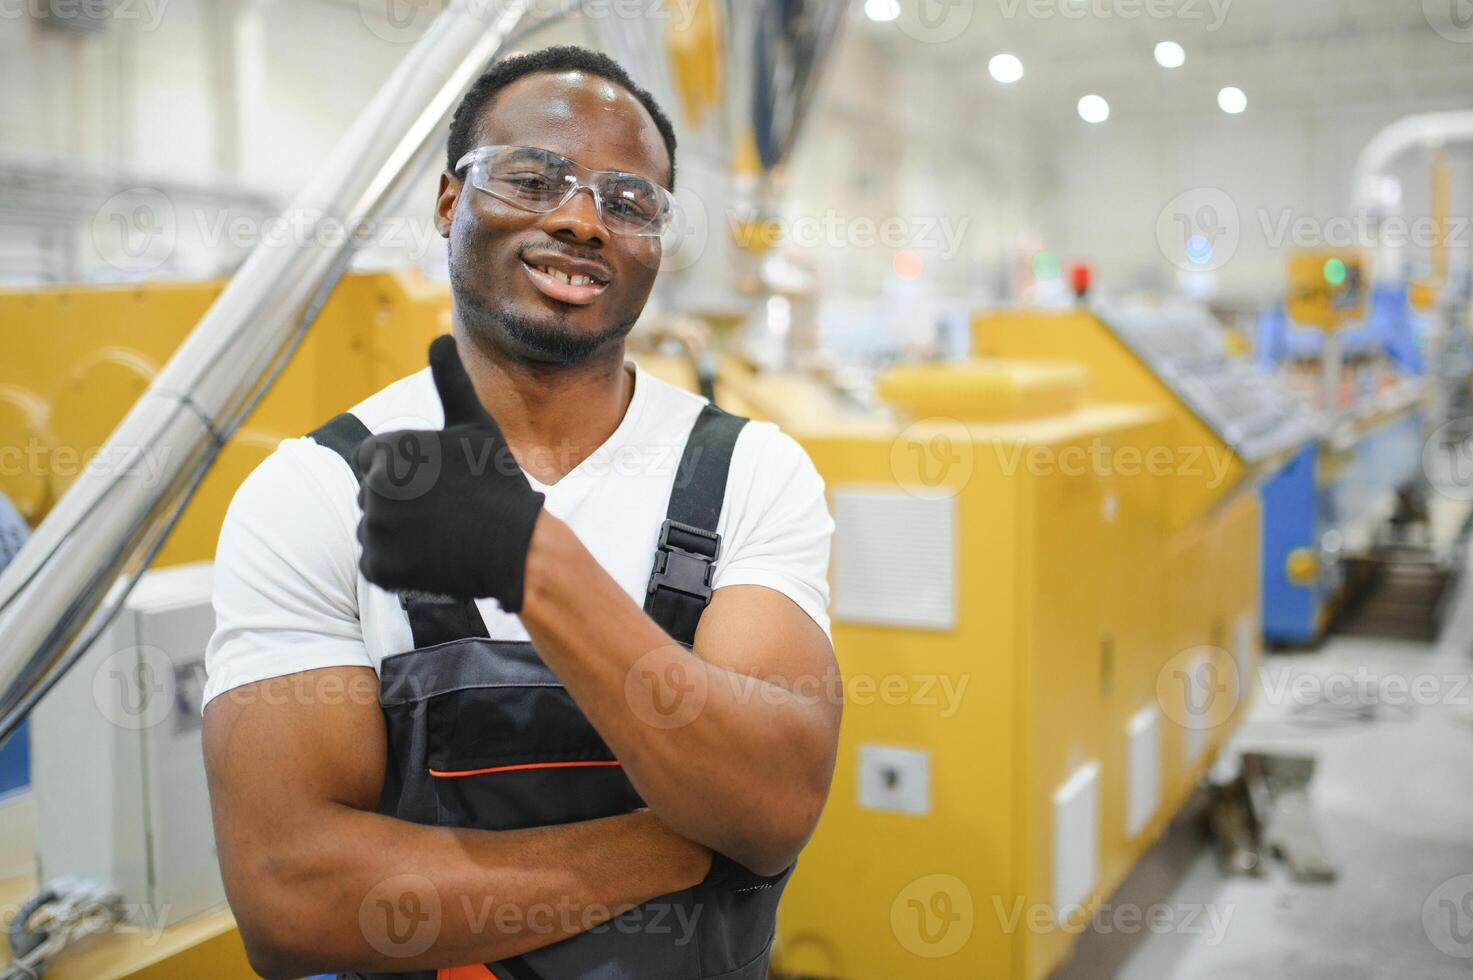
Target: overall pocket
(507,757)
(482,735)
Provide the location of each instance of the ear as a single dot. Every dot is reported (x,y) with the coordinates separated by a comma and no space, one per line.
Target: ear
(445,204)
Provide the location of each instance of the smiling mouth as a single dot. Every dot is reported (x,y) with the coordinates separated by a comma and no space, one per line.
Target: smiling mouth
(573,288)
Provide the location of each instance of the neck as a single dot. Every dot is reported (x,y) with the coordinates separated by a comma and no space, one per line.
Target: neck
(553,416)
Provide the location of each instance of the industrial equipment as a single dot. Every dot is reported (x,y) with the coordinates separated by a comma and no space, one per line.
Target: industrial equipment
(1021,716)
(90,351)
(121,812)
(1249,426)
(1352,353)
(119,776)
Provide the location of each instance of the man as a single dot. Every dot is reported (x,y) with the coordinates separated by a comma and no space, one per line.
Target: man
(605,763)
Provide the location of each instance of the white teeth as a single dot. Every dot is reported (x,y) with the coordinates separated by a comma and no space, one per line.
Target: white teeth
(565,277)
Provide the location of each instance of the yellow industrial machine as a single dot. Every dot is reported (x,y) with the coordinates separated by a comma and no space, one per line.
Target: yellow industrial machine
(88,352)
(1326,288)
(1044,600)
(1007,568)
(76,360)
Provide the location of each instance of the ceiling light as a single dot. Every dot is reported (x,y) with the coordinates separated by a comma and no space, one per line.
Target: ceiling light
(1232,100)
(1006,68)
(882,11)
(1094,109)
(1169,54)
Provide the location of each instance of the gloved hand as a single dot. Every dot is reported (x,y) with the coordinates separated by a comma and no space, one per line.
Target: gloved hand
(447,512)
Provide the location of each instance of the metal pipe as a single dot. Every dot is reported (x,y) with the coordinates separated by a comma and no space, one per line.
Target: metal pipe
(1428,129)
(59,590)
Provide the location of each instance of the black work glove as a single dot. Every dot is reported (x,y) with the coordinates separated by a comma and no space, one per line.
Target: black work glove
(447,512)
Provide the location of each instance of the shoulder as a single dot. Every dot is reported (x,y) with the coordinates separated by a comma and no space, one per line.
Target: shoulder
(761,446)
(303,475)
(766,455)
(409,403)
(663,406)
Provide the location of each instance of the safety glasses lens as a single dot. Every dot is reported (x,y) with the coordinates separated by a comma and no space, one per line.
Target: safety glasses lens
(540,181)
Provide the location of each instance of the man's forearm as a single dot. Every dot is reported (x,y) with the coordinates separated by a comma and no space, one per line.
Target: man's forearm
(746,772)
(372,893)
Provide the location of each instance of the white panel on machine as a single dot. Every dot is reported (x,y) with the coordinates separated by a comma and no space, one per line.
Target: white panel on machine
(894,558)
(895,778)
(1076,839)
(1245,646)
(1199,694)
(117,767)
(1143,779)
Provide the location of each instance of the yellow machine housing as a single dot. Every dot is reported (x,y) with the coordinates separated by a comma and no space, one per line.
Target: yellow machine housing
(1326,288)
(970,833)
(1083,598)
(78,358)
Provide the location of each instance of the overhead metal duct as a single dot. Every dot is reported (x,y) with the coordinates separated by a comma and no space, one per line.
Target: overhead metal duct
(59,591)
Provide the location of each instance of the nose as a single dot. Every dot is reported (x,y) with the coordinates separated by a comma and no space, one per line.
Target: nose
(577,219)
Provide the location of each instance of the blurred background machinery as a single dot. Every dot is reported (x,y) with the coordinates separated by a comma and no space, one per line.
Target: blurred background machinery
(1074,501)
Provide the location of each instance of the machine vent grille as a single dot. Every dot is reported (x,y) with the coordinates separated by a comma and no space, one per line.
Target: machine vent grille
(894,558)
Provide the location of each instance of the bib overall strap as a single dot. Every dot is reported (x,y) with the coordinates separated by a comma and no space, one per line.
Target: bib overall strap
(685,556)
(432,619)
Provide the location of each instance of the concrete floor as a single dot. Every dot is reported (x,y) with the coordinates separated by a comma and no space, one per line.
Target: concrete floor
(1394,800)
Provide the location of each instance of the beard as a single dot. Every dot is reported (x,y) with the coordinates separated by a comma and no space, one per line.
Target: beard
(547,339)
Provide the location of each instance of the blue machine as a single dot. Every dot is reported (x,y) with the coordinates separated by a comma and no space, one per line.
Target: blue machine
(1291,613)
(15,752)
(1325,488)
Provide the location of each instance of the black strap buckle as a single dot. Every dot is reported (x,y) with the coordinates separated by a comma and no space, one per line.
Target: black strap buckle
(685,560)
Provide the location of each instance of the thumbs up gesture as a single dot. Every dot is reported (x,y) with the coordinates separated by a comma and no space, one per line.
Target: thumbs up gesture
(449,511)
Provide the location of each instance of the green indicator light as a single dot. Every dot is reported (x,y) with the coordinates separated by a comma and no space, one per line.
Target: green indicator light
(1334,271)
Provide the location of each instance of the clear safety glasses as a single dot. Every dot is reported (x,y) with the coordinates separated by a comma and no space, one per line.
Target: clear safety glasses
(539,180)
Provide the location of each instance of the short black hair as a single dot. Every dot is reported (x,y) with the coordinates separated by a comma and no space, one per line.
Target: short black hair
(561,58)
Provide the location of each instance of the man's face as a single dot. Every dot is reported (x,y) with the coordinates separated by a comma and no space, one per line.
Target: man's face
(498,253)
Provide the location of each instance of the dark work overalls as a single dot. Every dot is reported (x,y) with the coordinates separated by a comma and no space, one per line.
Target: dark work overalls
(482,734)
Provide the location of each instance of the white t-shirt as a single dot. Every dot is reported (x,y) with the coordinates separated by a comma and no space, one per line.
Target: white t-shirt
(289,596)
